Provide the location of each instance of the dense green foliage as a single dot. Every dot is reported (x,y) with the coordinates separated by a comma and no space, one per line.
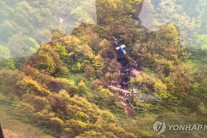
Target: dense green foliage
(25,24)
(64,85)
(6,60)
(189,16)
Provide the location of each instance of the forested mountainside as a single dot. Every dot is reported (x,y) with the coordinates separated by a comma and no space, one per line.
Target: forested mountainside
(69,86)
(190,16)
(24,24)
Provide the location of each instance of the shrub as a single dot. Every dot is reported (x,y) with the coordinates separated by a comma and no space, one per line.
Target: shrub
(24,111)
(89,70)
(6,60)
(81,116)
(192,103)
(27,85)
(8,80)
(56,124)
(82,87)
(73,90)
(39,103)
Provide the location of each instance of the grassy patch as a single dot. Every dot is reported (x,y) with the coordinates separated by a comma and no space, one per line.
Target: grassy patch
(194,62)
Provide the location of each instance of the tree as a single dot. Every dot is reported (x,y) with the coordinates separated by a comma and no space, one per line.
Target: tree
(177,85)
(105,97)
(56,124)
(24,111)
(7,30)
(22,46)
(149,84)
(4,12)
(108,10)
(192,103)
(199,89)
(202,42)
(85,12)
(6,60)
(89,134)
(82,87)
(162,50)
(8,86)
(161,89)
(48,60)
(97,62)
(89,71)
(56,35)
(131,5)
(175,12)
(39,103)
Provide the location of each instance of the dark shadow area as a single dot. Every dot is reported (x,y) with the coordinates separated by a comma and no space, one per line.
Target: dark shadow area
(1,132)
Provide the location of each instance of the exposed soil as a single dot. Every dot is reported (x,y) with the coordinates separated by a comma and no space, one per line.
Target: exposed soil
(124,83)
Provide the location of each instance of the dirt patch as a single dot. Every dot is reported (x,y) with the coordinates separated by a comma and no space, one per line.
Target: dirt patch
(11,134)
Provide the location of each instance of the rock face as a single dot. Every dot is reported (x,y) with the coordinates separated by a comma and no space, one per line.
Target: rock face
(138,11)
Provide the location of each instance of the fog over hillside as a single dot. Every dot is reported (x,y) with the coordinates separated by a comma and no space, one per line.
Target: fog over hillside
(188,15)
(26,24)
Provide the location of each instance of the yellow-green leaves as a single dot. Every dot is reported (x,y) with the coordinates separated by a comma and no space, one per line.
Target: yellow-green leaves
(161,89)
(202,41)
(6,60)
